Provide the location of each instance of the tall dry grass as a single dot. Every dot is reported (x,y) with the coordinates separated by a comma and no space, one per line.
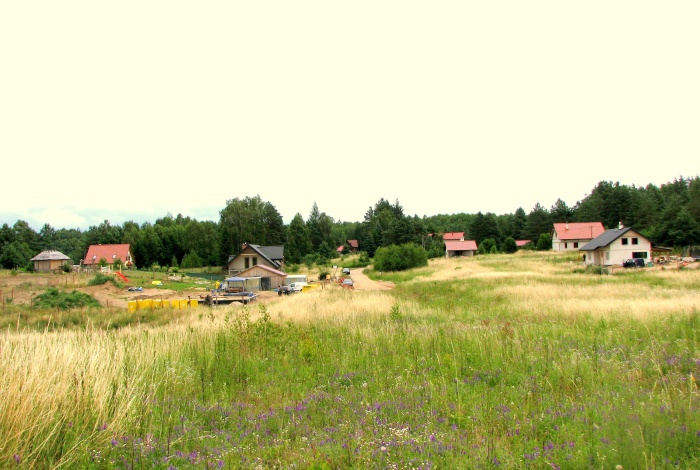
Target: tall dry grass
(63,393)
(65,396)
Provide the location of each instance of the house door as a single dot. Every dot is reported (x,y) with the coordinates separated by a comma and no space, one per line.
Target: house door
(266,283)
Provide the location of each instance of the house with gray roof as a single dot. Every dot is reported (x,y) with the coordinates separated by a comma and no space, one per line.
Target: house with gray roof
(253,255)
(50,260)
(614,246)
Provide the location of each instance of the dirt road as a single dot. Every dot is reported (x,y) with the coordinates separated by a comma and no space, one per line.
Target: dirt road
(362,282)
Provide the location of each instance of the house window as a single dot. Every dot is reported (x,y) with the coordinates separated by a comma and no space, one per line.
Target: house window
(247,262)
(255,260)
(639,254)
(566,245)
(625,241)
(635,241)
(575,244)
(607,256)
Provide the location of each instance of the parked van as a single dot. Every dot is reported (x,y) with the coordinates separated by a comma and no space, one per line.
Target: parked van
(297,286)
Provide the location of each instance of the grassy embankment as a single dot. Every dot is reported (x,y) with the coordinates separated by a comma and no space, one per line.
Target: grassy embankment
(512,361)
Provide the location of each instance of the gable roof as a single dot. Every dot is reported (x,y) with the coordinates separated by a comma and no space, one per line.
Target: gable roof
(578,230)
(353,244)
(109,252)
(522,243)
(606,238)
(50,255)
(273,254)
(340,248)
(456,245)
(264,268)
(453,236)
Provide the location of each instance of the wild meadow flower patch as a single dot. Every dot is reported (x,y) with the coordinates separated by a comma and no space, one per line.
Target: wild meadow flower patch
(424,396)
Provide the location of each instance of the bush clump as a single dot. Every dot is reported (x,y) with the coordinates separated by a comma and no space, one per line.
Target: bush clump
(400,257)
(53,298)
(100,279)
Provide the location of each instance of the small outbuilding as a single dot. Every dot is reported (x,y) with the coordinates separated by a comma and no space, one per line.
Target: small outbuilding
(241,284)
(454,248)
(50,260)
(263,277)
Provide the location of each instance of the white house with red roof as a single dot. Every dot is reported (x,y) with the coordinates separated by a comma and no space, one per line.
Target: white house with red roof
(454,248)
(109,253)
(570,236)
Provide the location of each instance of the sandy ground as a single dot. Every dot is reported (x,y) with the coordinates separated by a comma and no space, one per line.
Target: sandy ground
(362,282)
(23,287)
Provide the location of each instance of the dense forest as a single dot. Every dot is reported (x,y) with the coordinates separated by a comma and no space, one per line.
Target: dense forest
(668,214)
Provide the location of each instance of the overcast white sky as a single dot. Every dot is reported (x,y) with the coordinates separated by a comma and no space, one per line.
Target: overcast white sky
(134,109)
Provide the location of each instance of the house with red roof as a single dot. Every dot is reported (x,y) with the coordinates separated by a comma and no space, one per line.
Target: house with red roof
(454,248)
(522,243)
(454,236)
(568,236)
(109,253)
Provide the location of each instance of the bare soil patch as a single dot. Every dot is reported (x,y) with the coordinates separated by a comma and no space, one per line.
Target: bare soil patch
(23,287)
(362,282)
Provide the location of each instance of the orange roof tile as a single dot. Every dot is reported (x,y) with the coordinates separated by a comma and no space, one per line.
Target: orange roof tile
(110,253)
(453,236)
(578,230)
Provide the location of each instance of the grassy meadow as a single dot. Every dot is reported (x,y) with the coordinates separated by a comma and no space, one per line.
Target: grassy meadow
(501,361)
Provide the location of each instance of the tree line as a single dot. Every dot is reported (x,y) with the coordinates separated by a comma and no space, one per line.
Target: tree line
(668,214)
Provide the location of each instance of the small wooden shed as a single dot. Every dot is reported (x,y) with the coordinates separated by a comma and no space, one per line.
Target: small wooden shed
(50,260)
(269,278)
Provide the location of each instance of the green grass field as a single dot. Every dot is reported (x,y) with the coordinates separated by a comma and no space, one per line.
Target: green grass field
(523,361)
